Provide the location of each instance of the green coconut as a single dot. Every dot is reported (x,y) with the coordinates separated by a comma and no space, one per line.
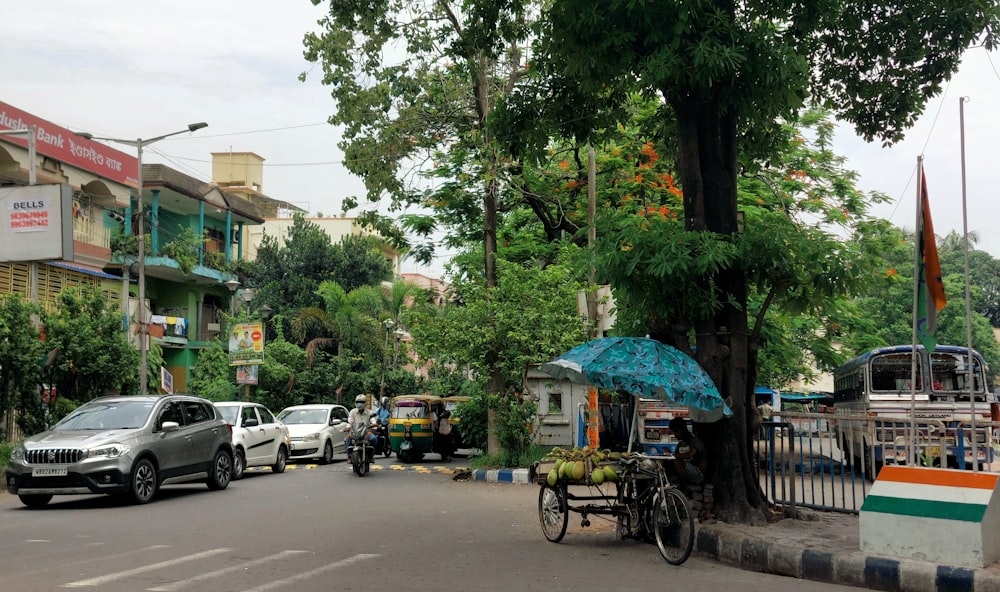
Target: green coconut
(610,474)
(579,469)
(553,477)
(597,476)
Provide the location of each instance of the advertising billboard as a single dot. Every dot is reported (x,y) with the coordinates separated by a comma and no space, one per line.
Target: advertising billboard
(37,223)
(58,143)
(246,344)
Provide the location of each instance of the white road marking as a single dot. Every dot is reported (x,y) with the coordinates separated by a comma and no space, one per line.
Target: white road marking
(309,574)
(152,567)
(221,572)
(115,555)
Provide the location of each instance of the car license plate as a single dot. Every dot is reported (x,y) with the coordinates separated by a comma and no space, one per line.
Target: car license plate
(49,471)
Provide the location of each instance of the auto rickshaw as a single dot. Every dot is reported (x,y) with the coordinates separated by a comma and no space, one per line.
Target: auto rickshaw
(410,431)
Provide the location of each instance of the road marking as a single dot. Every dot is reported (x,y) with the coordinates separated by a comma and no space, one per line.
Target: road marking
(152,567)
(309,574)
(220,572)
(114,555)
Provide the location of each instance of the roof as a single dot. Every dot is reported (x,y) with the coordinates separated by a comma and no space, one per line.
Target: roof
(82,268)
(158,174)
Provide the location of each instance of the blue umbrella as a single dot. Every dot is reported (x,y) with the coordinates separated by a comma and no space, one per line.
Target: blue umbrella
(643,367)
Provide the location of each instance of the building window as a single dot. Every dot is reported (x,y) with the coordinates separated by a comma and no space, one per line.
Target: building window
(555,404)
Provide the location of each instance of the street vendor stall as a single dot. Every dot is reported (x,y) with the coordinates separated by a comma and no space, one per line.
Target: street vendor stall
(632,488)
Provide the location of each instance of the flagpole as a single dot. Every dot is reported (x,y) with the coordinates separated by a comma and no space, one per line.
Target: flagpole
(917,237)
(970,377)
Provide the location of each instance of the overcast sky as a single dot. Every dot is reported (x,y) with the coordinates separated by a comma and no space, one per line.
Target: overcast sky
(133,69)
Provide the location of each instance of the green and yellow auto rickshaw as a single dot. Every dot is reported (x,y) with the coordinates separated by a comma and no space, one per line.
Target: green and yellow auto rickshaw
(411,432)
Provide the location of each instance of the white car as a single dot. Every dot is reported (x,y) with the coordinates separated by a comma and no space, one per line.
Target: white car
(258,438)
(317,431)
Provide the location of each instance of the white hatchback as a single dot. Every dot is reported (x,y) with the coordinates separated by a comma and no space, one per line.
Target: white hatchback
(258,438)
(317,431)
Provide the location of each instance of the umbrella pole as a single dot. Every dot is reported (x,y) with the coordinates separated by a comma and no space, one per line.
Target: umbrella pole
(634,430)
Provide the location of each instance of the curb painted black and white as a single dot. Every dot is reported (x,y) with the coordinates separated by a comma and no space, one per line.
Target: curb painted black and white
(849,569)
(501,475)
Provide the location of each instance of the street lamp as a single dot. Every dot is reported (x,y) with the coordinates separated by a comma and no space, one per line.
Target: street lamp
(143,329)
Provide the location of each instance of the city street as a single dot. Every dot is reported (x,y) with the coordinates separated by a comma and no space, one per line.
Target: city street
(321,528)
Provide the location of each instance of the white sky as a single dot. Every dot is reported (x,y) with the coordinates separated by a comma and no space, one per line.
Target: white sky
(133,69)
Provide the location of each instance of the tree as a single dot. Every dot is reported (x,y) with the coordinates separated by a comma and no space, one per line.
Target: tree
(212,376)
(22,363)
(727,72)
(358,261)
(93,357)
(531,318)
(883,315)
(418,82)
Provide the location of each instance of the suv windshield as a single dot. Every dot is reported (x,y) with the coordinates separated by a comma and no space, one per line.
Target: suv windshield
(115,415)
(303,416)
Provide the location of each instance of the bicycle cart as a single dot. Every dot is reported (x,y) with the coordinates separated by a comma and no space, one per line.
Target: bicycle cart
(641,500)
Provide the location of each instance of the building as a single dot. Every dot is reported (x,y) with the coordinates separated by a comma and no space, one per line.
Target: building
(193,229)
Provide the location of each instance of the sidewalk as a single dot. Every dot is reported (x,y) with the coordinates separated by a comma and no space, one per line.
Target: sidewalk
(819,546)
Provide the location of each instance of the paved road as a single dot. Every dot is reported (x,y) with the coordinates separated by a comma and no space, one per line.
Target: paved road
(322,528)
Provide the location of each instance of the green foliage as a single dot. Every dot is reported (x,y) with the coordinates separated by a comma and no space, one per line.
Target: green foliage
(883,315)
(514,418)
(530,317)
(184,248)
(22,359)
(93,356)
(212,377)
(5,450)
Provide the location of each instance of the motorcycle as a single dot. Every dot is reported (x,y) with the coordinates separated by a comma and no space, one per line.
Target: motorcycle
(381,431)
(361,452)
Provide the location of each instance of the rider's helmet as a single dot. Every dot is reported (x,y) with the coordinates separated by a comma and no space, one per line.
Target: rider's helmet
(360,401)
(385,403)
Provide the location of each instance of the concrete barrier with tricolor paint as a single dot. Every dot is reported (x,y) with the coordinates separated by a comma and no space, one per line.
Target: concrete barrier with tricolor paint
(939,515)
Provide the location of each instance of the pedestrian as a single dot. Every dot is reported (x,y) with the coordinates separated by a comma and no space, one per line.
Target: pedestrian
(690,456)
(766,411)
(441,424)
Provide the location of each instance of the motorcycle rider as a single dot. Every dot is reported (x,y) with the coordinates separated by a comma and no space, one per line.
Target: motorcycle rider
(360,416)
(383,412)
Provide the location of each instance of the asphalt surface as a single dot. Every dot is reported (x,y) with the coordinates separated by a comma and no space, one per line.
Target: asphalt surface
(816,546)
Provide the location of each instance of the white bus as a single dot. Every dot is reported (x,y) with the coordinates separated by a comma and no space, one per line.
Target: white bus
(877,413)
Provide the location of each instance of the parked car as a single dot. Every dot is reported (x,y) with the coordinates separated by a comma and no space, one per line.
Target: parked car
(124,445)
(258,438)
(317,431)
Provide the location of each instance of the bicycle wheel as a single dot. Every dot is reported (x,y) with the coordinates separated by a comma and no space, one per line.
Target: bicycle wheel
(673,525)
(553,512)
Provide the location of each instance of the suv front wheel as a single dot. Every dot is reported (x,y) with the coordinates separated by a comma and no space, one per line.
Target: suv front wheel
(222,471)
(143,483)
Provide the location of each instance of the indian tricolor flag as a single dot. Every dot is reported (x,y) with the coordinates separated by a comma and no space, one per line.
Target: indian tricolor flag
(930,291)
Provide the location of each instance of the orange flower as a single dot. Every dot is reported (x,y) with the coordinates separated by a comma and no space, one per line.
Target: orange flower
(649,152)
(564,165)
(638,178)
(891,272)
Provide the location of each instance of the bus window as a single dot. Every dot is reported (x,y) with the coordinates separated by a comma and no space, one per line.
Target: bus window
(892,372)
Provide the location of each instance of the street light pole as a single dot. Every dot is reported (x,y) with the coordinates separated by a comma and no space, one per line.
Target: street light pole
(143,321)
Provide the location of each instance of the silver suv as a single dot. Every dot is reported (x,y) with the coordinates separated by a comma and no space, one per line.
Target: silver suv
(124,445)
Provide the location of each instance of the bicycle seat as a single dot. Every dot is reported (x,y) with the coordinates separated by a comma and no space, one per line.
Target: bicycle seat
(628,462)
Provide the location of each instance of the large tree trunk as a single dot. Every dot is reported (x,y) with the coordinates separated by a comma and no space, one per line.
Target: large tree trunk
(707,166)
